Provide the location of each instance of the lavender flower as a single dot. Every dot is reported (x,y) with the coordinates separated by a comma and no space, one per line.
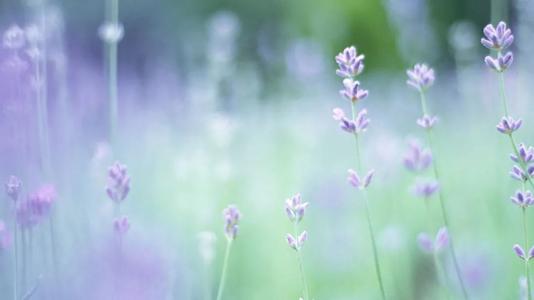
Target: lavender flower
(417,159)
(231,219)
(352,90)
(355,181)
(13,187)
(427,121)
(433,246)
(298,242)
(118,182)
(497,38)
(338,114)
(501,63)
(522,254)
(347,125)
(41,200)
(421,77)
(349,62)
(5,237)
(523,199)
(426,189)
(518,174)
(526,154)
(14,38)
(507,125)
(359,125)
(121,225)
(295,208)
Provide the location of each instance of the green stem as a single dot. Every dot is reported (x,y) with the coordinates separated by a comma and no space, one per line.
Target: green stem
(441,198)
(112,55)
(225,266)
(301,266)
(527,271)
(503,94)
(359,167)
(440,273)
(16,259)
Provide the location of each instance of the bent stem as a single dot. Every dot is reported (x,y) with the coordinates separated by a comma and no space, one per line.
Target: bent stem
(301,267)
(359,167)
(225,266)
(441,198)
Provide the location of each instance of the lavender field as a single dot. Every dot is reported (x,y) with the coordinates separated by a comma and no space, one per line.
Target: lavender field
(210,150)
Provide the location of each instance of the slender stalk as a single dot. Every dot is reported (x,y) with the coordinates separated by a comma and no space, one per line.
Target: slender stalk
(440,273)
(24,260)
(527,271)
(359,167)
(225,266)
(441,198)
(16,259)
(301,266)
(112,54)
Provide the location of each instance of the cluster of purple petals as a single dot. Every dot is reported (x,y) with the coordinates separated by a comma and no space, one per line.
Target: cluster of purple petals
(520,252)
(525,158)
(356,181)
(427,122)
(426,189)
(508,125)
(296,243)
(295,209)
(523,198)
(433,245)
(417,159)
(36,206)
(358,125)
(421,77)
(118,185)
(498,38)
(350,64)
(231,217)
(121,225)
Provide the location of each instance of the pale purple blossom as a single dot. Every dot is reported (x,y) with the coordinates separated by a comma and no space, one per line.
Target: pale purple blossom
(507,125)
(421,77)
(121,225)
(357,182)
(231,220)
(347,125)
(520,252)
(526,154)
(297,242)
(429,245)
(358,125)
(352,90)
(501,62)
(338,114)
(426,189)
(349,62)
(418,158)
(14,38)
(42,199)
(517,173)
(523,199)
(118,182)
(13,187)
(295,208)
(497,38)
(427,121)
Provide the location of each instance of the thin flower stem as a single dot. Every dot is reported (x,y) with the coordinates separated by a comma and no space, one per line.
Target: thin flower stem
(16,260)
(112,54)
(225,266)
(441,198)
(301,266)
(527,271)
(440,273)
(359,167)
(503,94)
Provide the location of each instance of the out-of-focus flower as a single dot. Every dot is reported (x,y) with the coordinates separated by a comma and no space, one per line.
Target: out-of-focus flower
(41,200)
(350,63)
(501,63)
(507,125)
(13,187)
(497,38)
(352,90)
(523,199)
(118,182)
(295,208)
(417,159)
(121,225)
(206,246)
(429,245)
(427,121)
(5,237)
(14,38)
(297,242)
(355,180)
(231,218)
(25,214)
(426,189)
(421,77)
(111,33)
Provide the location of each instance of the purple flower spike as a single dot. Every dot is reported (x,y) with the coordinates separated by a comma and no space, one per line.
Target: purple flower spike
(518,174)
(417,159)
(349,62)
(427,121)
(13,187)
(338,114)
(507,125)
(295,208)
(355,180)
(421,77)
(497,38)
(442,239)
(425,242)
(41,201)
(231,218)
(121,225)
(118,182)
(362,121)
(347,125)
(526,154)
(519,251)
(501,63)
(523,199)
(352,90)
(426,189)
(5,237)
(298,242)
(14,38)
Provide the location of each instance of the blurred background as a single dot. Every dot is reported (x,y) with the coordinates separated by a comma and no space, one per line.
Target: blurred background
(229,102)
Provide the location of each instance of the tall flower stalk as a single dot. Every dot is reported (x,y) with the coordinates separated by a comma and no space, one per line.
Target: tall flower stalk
(350,66)
(498,39)
(295,210)
(13,189)
(231,219)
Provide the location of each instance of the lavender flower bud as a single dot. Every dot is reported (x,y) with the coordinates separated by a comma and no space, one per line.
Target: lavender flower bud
(526,154)
(501,63)
(442,239)
(118,182)
(518,174)
(121,225)
(433,246)
(349,62)
(355,181)
(14,38)
(5,237)
(421,77)
(427,121)
(507,125)
(425,242)
(417,159)
(497,38)
(347,125)
(519,251)
(362,121)
(523,199)
(352,90)
(298,242)
(295,208)
(426,189)
(13,187)
(231,218)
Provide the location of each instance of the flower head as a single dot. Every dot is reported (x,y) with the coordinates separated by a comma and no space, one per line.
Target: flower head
(507,125)
(421,77)
(501,63)
(522,254)
(355,180)
(349,62)
(427,121)
(523,199)
(121,225)
(13,187)
(231,220)
(41,200)
(417,159)
(517,173)
(118,182)
(429,245)
(297,242)
(497,38)
(426,189)
(526,154)
(14,38)
(352,90)
(295,208)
